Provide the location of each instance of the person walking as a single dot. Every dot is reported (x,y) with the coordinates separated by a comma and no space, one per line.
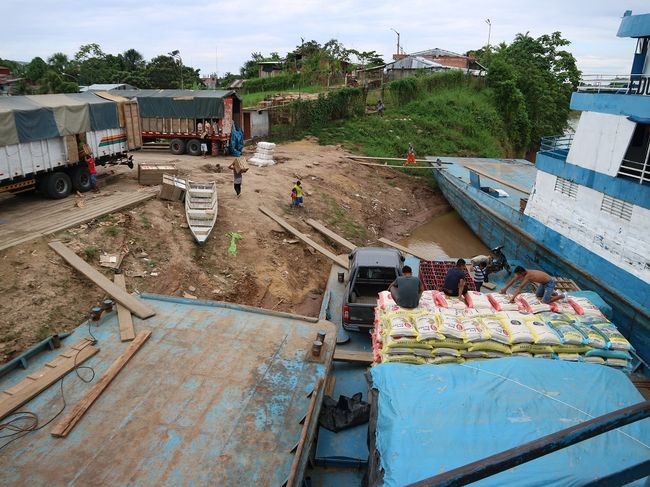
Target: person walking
(479,274)
(237,177)
(410,158)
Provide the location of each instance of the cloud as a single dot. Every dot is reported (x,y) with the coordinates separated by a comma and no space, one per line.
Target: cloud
(222,35)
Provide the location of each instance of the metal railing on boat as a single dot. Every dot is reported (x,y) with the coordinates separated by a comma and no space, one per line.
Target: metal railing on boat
(624,84)
(636,170)
(557,144)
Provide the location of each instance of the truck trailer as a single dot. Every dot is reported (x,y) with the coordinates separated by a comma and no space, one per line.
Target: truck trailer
(43,139)
(181,117)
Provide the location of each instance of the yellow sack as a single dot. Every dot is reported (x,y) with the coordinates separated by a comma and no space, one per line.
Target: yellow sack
(448,343)
(490,346)
(531,348)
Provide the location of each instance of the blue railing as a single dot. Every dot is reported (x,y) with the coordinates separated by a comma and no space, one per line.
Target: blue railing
(558,144)
(625,84)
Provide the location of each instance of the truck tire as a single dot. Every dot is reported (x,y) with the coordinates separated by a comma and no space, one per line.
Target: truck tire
(58,185)
(81,179)
(177,147)
(194,147)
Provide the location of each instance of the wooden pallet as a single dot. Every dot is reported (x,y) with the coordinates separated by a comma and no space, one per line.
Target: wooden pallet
(14,397)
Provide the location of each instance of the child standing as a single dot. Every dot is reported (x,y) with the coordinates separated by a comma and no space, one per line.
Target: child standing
(410,159)
(296,194)
(90,162)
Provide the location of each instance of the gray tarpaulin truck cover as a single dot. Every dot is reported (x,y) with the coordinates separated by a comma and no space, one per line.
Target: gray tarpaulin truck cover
(179,103)
(38,117)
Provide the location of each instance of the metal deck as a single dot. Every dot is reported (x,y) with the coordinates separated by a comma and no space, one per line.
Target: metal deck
(215,397)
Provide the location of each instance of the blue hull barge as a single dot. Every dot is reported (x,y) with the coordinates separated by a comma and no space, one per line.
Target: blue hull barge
(583,210)
(216,396)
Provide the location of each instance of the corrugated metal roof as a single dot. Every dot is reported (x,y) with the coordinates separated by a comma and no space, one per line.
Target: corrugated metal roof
(437,52)
(415,62)
(108,87)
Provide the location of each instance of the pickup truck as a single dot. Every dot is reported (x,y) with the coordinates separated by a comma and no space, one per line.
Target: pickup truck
(372,270)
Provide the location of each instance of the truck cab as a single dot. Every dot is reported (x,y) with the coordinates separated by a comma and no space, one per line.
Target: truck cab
(372,270)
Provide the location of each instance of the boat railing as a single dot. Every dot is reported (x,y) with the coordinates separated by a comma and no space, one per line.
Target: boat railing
(623,84)
(638,171)
(558,145)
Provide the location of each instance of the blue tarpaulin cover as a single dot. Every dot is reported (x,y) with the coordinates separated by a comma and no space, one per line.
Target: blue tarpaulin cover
(433,418)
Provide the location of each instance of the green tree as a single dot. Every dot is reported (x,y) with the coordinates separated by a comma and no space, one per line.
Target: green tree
(541,72)
(36,69)
(250,68)
(132,60)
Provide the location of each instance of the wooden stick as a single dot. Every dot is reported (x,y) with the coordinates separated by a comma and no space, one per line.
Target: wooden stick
(392,166)
(292,481)
(64,426)
(14,397)
(403,249)
(127,333)
(403,159)
(357,357)
(342,262)
(138,308)
(331,235)
(493,177)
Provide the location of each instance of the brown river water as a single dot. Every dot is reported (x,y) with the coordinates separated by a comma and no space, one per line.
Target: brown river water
(445,236)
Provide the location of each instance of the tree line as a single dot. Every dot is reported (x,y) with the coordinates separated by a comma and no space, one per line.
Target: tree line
(90,65)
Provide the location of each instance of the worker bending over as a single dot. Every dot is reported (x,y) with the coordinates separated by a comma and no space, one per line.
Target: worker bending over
(546,284)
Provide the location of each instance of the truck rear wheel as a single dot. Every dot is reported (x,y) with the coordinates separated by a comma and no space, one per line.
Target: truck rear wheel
(194,147)
(58,185)
(177,146)
(81,179)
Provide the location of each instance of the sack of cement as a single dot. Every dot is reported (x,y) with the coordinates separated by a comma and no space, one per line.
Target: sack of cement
(266,145)
(260,162)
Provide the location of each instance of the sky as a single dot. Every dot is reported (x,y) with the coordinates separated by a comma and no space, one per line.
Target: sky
(219,36)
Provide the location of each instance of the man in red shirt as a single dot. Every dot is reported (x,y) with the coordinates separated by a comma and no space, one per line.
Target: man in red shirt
(90,161)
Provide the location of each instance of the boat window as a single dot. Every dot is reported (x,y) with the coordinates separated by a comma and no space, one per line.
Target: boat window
(566,187)
(616,207)
(636,163)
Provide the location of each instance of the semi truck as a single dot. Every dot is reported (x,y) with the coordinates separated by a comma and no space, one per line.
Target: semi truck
(43,140)
(186,118)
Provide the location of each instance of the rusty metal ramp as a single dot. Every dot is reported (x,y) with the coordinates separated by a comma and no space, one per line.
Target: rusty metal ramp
(216,396)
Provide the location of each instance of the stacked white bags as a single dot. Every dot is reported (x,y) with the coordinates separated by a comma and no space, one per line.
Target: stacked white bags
(263,154)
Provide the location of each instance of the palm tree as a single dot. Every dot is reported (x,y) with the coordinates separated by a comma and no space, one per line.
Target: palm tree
(59,62)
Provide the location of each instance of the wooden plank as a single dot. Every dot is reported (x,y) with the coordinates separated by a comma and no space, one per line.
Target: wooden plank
(509,184)
(489,285)
(137,307)
(401,159)
(64,426)
(292,480)
(25,390)
(342,262)
(404,249)
(329,386)
(343,355)
(124,318)
(331,235)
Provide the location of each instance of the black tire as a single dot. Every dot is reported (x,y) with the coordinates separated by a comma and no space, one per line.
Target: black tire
(59,185)
(194,147)
(177,147)
(41,183)
(81,179)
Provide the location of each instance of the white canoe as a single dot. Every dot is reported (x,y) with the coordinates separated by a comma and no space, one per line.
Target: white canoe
(201,208)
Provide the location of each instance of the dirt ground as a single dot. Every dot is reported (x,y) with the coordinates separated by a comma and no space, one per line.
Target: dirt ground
(42,295)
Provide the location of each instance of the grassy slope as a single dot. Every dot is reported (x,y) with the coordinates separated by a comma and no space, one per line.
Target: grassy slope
(450,122)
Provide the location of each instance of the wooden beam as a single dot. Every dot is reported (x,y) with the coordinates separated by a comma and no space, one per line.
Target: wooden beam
(402,159)
(137,307)
(293,481)
(14,397)
(353,356)
(280,221)
(330,234)
(127,333)
(403,249)
(487,175)
(64,426)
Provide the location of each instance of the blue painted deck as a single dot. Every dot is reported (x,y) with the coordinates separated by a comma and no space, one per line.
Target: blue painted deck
(497,221)
(214,397)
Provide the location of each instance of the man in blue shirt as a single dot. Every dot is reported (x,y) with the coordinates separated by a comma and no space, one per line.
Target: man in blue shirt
(455,283)
(406,289)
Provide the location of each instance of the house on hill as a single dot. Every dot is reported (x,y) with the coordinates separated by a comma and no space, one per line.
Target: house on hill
(270,68)
(447,59)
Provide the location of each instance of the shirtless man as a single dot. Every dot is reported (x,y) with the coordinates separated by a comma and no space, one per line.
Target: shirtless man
(545,289)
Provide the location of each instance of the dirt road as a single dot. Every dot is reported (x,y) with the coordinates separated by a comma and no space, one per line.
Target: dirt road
(42,295)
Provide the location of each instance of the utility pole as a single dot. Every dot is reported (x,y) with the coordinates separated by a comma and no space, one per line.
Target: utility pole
(487,21)
(397,39)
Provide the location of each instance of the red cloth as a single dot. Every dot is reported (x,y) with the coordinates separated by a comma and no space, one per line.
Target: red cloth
(91,165)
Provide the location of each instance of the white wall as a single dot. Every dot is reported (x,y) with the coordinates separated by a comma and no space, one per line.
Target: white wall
(20,159)
(623,243)
(600,142)
(259,123)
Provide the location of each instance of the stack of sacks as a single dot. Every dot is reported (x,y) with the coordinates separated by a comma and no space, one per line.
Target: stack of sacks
(431,334)
(263,154)
(583,306)
(445,301)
